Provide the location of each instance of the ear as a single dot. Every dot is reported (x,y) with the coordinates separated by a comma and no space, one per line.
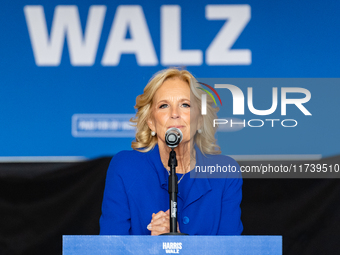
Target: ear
(151,124)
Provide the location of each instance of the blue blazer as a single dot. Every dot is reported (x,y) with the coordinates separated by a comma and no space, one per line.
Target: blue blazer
(137,186)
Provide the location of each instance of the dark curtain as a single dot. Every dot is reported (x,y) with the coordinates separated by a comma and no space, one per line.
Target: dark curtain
(40,202)
(306,212)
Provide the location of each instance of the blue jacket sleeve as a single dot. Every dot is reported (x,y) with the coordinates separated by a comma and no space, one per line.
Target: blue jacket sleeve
(231,223)
(115,218)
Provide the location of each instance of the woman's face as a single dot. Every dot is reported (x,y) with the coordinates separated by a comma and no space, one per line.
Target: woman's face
(171,108)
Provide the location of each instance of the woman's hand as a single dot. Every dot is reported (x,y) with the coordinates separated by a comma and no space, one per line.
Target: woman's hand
(160,223)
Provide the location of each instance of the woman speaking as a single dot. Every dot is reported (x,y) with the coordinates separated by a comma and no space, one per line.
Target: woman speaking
(136,199)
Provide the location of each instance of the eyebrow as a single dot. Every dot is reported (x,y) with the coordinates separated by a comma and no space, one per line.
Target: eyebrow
(165,100)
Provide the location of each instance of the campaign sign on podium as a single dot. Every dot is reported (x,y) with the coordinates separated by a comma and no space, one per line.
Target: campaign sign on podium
(100,245)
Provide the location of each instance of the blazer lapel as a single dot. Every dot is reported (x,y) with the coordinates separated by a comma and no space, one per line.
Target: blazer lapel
(200,186)
(156,162)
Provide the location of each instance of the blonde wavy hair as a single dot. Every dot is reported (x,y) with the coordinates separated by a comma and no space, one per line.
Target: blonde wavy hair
(144,141)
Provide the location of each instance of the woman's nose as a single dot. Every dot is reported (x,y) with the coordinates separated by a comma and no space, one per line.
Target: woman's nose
(175,112)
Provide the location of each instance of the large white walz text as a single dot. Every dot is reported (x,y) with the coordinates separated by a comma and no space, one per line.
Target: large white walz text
(82,47)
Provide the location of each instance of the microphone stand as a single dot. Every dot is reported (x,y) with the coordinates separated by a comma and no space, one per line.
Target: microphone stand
(173,190)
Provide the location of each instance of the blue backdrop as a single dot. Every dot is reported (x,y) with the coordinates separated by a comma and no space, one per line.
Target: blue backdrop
(71,70)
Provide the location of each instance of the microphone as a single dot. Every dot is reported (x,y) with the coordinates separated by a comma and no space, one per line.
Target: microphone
(173,137)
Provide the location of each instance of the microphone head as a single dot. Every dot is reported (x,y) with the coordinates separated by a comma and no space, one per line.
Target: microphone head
(173,137)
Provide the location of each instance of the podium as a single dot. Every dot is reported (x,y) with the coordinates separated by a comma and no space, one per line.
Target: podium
(234,245)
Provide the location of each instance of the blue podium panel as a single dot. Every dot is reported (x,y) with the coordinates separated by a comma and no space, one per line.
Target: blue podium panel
(100,245)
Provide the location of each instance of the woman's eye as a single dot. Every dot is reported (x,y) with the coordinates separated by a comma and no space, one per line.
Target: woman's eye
(163,106)
(186,105)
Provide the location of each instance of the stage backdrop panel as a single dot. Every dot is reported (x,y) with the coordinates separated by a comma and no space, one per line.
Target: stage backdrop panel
(71,70)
